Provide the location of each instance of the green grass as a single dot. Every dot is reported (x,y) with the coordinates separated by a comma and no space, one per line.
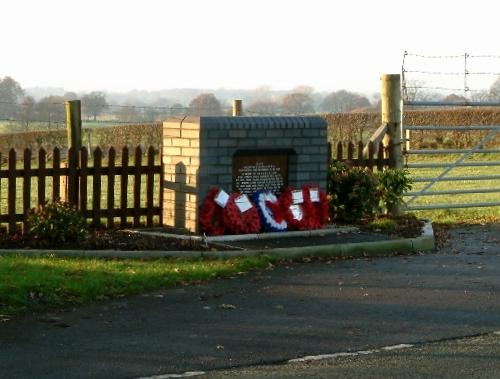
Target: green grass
(459,215)
(46,283)
(385,225)
(7,127)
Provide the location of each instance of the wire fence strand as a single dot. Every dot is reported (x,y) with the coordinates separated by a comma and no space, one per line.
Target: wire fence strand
(466,75)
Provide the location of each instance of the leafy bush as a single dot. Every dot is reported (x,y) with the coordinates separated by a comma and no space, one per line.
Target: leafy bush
(357,193)
(353,192)
(392,185)
(57,222)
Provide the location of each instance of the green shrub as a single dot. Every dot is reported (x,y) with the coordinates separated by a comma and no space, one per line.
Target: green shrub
(57,222)
(392,185)
(353,192)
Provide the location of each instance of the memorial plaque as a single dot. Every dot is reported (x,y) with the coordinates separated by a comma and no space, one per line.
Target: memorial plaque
(260,170)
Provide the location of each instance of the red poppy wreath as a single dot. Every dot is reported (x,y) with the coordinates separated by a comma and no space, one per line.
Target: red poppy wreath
(317,205)
(211,215)
(296,212)
(240,216)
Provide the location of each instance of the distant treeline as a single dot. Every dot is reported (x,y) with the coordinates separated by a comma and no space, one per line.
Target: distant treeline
(341,127)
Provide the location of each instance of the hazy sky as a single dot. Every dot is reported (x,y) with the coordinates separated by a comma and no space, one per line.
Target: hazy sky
(155,44)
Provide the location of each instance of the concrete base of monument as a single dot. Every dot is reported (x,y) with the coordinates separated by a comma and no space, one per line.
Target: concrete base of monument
(330,229)
(330,242)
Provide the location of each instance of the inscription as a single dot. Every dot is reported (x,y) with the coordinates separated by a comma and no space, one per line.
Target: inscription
(261,176)
(253,173)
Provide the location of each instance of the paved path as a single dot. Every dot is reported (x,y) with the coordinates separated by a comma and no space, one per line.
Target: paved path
(272,316)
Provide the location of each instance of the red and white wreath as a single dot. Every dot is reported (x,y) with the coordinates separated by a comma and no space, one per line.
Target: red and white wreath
(301,209)
(295,210)
(318,205)
(240,215)
(211,212)
(305,208)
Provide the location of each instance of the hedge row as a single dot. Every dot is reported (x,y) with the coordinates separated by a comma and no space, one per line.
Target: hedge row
(341,127)
(360,126)
(143,135)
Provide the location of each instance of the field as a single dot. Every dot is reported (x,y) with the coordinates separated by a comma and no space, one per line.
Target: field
(118,136)
(33,284)
(345,127)
(473,215)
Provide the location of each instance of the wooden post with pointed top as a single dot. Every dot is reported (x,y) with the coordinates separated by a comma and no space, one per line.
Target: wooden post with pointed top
(237,108)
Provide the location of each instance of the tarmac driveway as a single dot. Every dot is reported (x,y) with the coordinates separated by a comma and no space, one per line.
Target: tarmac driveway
(285,312)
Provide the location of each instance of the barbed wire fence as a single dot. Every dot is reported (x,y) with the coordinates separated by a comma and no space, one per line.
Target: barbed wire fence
(444,93)
(19,117)
(43,124)
(45,116)
(468,77)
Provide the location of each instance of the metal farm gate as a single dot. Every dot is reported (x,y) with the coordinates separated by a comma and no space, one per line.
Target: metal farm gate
(440,170)
(452,146)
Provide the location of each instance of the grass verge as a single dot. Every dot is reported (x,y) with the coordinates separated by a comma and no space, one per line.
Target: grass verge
(49,282)
(486,215)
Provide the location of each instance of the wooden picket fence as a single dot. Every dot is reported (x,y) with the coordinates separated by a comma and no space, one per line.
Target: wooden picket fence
(71,180)
(354,155)
(93,188)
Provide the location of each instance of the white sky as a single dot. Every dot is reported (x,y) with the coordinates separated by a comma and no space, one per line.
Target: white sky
(154,44)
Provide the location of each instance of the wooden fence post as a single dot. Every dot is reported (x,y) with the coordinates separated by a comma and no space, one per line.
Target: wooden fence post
(74,133)
(237,108)
(74,124)
(390,93)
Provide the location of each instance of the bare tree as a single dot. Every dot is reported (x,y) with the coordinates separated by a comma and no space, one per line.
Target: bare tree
(94,104)
(297,103)
(495,90)
(177,109)
(308,90)
(10,95)
(128,114)
(262,93)
(205,104)
(415,90)
(27,111)
(51,110)
(343,101)
(70,96)
(263,107)
(483,95)
(454,98)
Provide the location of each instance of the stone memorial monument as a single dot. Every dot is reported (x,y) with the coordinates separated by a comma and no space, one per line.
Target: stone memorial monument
(241,154)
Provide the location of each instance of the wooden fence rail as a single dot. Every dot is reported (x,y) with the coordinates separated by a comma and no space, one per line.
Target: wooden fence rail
(36,179)
(106,191)
(373,158)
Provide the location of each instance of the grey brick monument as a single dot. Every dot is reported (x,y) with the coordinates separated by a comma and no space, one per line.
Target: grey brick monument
(237,153)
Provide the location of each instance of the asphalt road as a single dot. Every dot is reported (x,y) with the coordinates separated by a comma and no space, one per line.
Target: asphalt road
(286,312)
(474,357)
